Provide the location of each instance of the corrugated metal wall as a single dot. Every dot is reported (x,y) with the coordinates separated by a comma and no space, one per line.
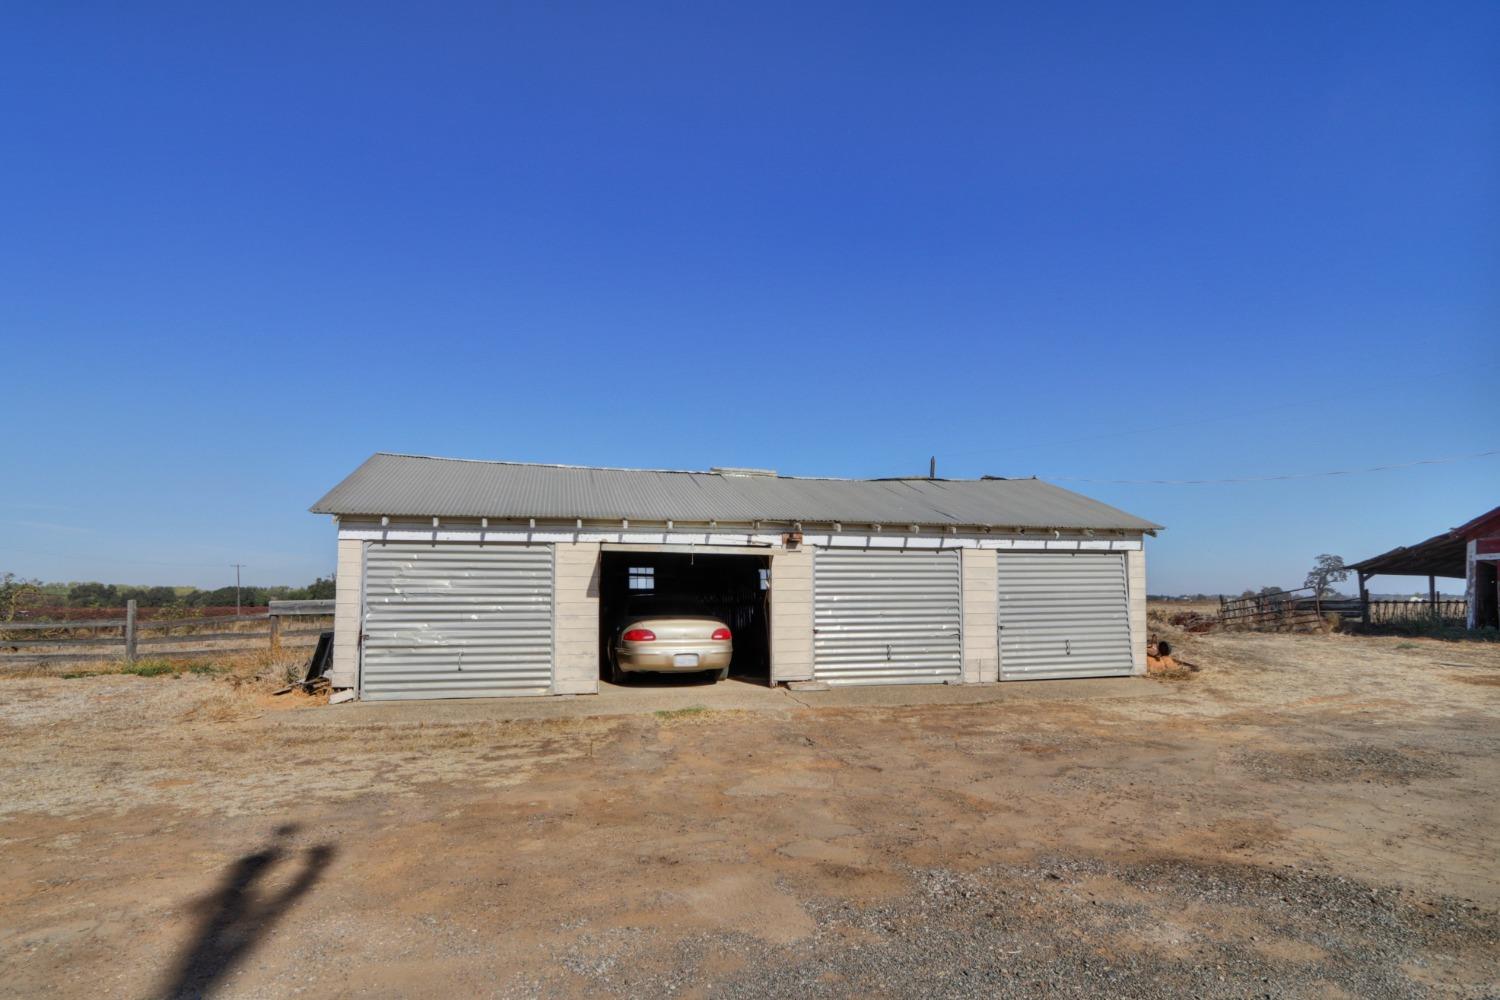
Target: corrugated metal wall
(454,620)
(886,616)
(1063,614)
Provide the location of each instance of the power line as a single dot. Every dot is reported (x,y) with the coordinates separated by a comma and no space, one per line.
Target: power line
(1278,477)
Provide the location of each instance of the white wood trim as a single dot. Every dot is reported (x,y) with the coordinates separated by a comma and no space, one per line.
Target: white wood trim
(409,531)
(549,536)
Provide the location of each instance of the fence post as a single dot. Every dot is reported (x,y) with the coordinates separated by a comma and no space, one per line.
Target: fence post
(275,632)
(129,631)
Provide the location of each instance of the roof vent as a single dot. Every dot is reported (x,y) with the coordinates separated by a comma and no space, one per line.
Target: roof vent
(725,471)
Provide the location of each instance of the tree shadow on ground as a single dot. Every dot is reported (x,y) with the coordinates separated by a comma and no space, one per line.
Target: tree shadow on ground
(238,914)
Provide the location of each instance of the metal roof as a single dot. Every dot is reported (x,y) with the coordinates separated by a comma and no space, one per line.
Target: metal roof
(415,485)
(1441,555)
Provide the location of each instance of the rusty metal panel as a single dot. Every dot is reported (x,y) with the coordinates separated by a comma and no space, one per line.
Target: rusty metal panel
(1063,614)
(886,616)
(456,620)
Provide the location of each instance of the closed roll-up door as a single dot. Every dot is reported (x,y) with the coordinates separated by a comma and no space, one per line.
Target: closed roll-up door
(1063,614)
(455,620)
(886,616)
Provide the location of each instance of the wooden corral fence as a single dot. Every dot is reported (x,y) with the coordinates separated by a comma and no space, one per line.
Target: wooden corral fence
(1451,611)
(1303,608)
(1286,609)
(131,637)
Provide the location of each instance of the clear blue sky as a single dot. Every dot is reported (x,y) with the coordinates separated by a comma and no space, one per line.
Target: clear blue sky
(242,246)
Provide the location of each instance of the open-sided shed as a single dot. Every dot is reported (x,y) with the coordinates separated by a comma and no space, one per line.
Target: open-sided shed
(462,579)
(1469,552)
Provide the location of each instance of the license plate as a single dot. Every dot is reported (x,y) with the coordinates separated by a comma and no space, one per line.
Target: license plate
(685,660)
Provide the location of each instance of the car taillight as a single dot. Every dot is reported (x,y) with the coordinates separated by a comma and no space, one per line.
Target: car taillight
(720,633)
(640,635)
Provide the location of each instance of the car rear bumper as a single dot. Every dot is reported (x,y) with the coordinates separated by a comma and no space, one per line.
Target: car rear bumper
(664,660)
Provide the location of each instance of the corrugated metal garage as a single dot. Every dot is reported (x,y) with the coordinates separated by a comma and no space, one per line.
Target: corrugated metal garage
(1063,614)
(886,616)
(477,579)
(456,620)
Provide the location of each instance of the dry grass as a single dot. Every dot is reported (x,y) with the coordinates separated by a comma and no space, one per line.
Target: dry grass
(243,681)
(227,704)
(1173,607)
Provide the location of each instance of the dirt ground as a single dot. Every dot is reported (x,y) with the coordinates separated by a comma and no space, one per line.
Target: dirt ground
(1306,816)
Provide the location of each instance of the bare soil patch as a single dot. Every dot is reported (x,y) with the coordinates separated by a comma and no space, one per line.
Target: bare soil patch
(1354,762)
(1488,680)
(1306,816)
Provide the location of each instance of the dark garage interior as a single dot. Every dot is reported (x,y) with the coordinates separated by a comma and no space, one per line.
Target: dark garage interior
(732,588)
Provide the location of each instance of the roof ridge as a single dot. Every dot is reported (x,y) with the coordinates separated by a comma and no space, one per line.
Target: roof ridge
(689,472)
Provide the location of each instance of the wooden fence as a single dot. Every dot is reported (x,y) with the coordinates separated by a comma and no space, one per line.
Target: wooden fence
(1304,608)
(1289,609)
(1452,611)
(130,637)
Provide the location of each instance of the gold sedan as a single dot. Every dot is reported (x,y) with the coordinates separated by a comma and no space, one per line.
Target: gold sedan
(671,644)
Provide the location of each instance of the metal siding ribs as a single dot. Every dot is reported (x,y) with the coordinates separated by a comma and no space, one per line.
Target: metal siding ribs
(452,620)
(1063,614)
(886,616)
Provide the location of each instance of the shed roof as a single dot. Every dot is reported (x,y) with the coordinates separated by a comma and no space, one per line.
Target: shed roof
(415,485)
(1440,555)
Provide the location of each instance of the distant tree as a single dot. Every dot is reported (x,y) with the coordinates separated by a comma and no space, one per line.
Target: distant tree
(93,595)
(147,597)
(15,594)
(1327,570)
(224,597)
(320,589)
(160,597)
(217,598)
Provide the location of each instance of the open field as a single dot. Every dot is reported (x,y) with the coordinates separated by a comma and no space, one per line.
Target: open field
(1306,816)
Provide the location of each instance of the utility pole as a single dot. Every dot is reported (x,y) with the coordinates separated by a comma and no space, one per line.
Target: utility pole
(237,568)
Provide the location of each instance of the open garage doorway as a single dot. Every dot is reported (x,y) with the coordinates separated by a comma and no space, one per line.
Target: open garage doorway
(733,588)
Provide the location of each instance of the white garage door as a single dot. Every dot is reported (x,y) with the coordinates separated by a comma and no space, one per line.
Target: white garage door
(454,620)
(1063,614)
(886,616)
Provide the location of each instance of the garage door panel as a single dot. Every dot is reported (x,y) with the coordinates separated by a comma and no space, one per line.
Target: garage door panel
(457,621)
(886,617)
(1063,615)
